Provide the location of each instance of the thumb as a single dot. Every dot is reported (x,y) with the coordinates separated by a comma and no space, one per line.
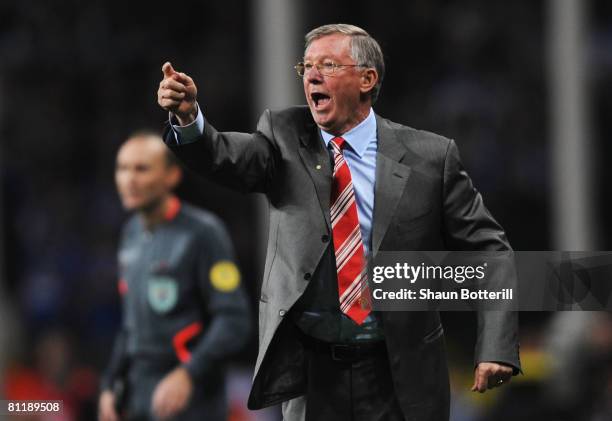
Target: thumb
(167,69)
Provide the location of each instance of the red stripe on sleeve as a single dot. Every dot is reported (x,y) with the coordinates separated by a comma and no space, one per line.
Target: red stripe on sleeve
(179,341)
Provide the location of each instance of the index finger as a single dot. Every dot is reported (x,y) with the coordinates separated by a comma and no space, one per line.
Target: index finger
(173,85)
(182,78)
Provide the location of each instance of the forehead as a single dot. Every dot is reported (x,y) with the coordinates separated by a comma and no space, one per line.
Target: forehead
(336,46)
(143,150)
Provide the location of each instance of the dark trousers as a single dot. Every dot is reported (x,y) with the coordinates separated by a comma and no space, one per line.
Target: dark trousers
(343,387)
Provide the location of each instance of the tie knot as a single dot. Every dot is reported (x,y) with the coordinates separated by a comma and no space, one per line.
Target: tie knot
(338,143)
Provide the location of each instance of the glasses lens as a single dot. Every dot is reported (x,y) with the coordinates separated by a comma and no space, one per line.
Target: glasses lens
(299,68)
(327,68)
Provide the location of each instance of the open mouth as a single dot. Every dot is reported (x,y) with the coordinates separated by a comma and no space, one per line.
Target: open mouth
(320,100)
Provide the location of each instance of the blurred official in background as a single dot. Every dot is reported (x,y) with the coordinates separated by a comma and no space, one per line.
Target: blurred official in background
(184,309)
(343,183)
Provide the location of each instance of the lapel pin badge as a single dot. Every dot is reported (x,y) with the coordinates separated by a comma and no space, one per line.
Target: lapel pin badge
(318,166)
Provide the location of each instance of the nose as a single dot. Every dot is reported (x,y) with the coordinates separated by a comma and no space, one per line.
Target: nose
(313,76)
(126,177)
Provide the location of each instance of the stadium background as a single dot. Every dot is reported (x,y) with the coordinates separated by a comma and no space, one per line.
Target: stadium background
(77,77)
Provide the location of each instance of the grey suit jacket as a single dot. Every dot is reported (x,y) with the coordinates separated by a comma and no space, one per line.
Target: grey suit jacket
(424,200)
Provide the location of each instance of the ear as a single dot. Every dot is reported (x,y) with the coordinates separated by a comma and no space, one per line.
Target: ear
(369,79)
(175,174)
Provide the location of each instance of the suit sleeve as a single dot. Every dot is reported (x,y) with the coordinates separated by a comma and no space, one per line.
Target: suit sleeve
(469,226)
(240,161)
(229,327)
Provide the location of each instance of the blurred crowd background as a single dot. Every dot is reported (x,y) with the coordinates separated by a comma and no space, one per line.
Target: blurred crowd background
(77,77)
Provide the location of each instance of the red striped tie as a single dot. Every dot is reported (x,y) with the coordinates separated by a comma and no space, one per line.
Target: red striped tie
(348,247)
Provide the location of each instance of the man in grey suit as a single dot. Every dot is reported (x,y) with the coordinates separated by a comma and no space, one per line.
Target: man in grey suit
(343,184)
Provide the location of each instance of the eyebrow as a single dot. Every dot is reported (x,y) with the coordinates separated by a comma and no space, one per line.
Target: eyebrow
(326,57)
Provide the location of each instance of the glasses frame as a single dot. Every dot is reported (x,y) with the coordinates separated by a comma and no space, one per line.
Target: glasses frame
(320,66)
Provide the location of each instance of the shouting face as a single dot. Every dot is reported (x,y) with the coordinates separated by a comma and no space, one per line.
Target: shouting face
(340,100)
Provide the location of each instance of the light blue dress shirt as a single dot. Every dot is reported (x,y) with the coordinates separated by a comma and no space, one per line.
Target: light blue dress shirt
(360,156)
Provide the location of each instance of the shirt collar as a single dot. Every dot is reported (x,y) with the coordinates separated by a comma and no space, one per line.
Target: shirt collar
(359,136)
(172,208)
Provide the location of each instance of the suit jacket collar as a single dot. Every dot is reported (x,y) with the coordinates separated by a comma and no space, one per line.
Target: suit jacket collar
(391,178)
(317,161)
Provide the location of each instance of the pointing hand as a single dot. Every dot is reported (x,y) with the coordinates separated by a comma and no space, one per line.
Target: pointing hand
(177,93)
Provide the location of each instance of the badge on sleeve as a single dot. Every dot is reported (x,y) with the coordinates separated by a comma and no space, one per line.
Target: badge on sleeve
(162,293)
(224,276)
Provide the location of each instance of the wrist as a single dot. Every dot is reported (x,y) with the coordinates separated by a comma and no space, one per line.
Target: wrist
(185,119)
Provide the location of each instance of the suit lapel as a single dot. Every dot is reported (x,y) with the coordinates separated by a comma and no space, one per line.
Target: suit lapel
(391,178)
(317,161)
(391,174)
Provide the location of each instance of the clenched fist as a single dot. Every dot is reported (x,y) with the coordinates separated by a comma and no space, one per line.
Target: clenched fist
(177,93)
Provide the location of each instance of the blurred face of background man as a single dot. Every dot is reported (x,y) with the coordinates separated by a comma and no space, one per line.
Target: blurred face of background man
(144,174)
(340,101)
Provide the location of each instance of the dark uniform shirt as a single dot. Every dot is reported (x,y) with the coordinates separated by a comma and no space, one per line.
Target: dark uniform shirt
(181,295)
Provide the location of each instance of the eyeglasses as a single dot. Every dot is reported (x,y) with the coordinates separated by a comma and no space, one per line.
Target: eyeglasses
(327,68)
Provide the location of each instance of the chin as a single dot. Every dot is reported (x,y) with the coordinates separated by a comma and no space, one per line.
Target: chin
(322,121)
(131,205)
